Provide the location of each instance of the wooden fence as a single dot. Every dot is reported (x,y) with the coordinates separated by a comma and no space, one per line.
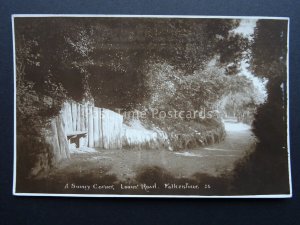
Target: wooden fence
(91,126)
(103,127)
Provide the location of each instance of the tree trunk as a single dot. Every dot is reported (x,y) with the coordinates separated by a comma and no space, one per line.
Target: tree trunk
(54,142)
(64,152)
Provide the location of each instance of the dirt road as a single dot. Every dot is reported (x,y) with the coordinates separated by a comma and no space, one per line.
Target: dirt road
(125,164)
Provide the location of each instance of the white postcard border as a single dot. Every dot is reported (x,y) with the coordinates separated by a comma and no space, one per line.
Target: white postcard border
(149,196)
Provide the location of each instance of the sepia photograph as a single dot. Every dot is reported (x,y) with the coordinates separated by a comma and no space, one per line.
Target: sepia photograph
(151,106)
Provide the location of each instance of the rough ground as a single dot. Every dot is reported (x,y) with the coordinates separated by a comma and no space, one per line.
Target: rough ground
(212,160)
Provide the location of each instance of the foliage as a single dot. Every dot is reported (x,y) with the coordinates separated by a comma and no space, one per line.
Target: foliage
(208,88)
(269,49)
(80,50)
(166,64)
(266,169)
(171,90)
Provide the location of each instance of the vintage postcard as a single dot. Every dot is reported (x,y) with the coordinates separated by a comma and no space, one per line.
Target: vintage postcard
(151,106)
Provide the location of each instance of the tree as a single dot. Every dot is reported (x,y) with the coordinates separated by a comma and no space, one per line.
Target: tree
(266,168)
(79,53)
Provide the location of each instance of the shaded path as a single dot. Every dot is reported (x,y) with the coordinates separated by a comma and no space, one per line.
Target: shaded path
(125,164)
(219,158)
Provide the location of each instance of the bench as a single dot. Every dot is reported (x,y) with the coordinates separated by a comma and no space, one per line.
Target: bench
(75,137)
